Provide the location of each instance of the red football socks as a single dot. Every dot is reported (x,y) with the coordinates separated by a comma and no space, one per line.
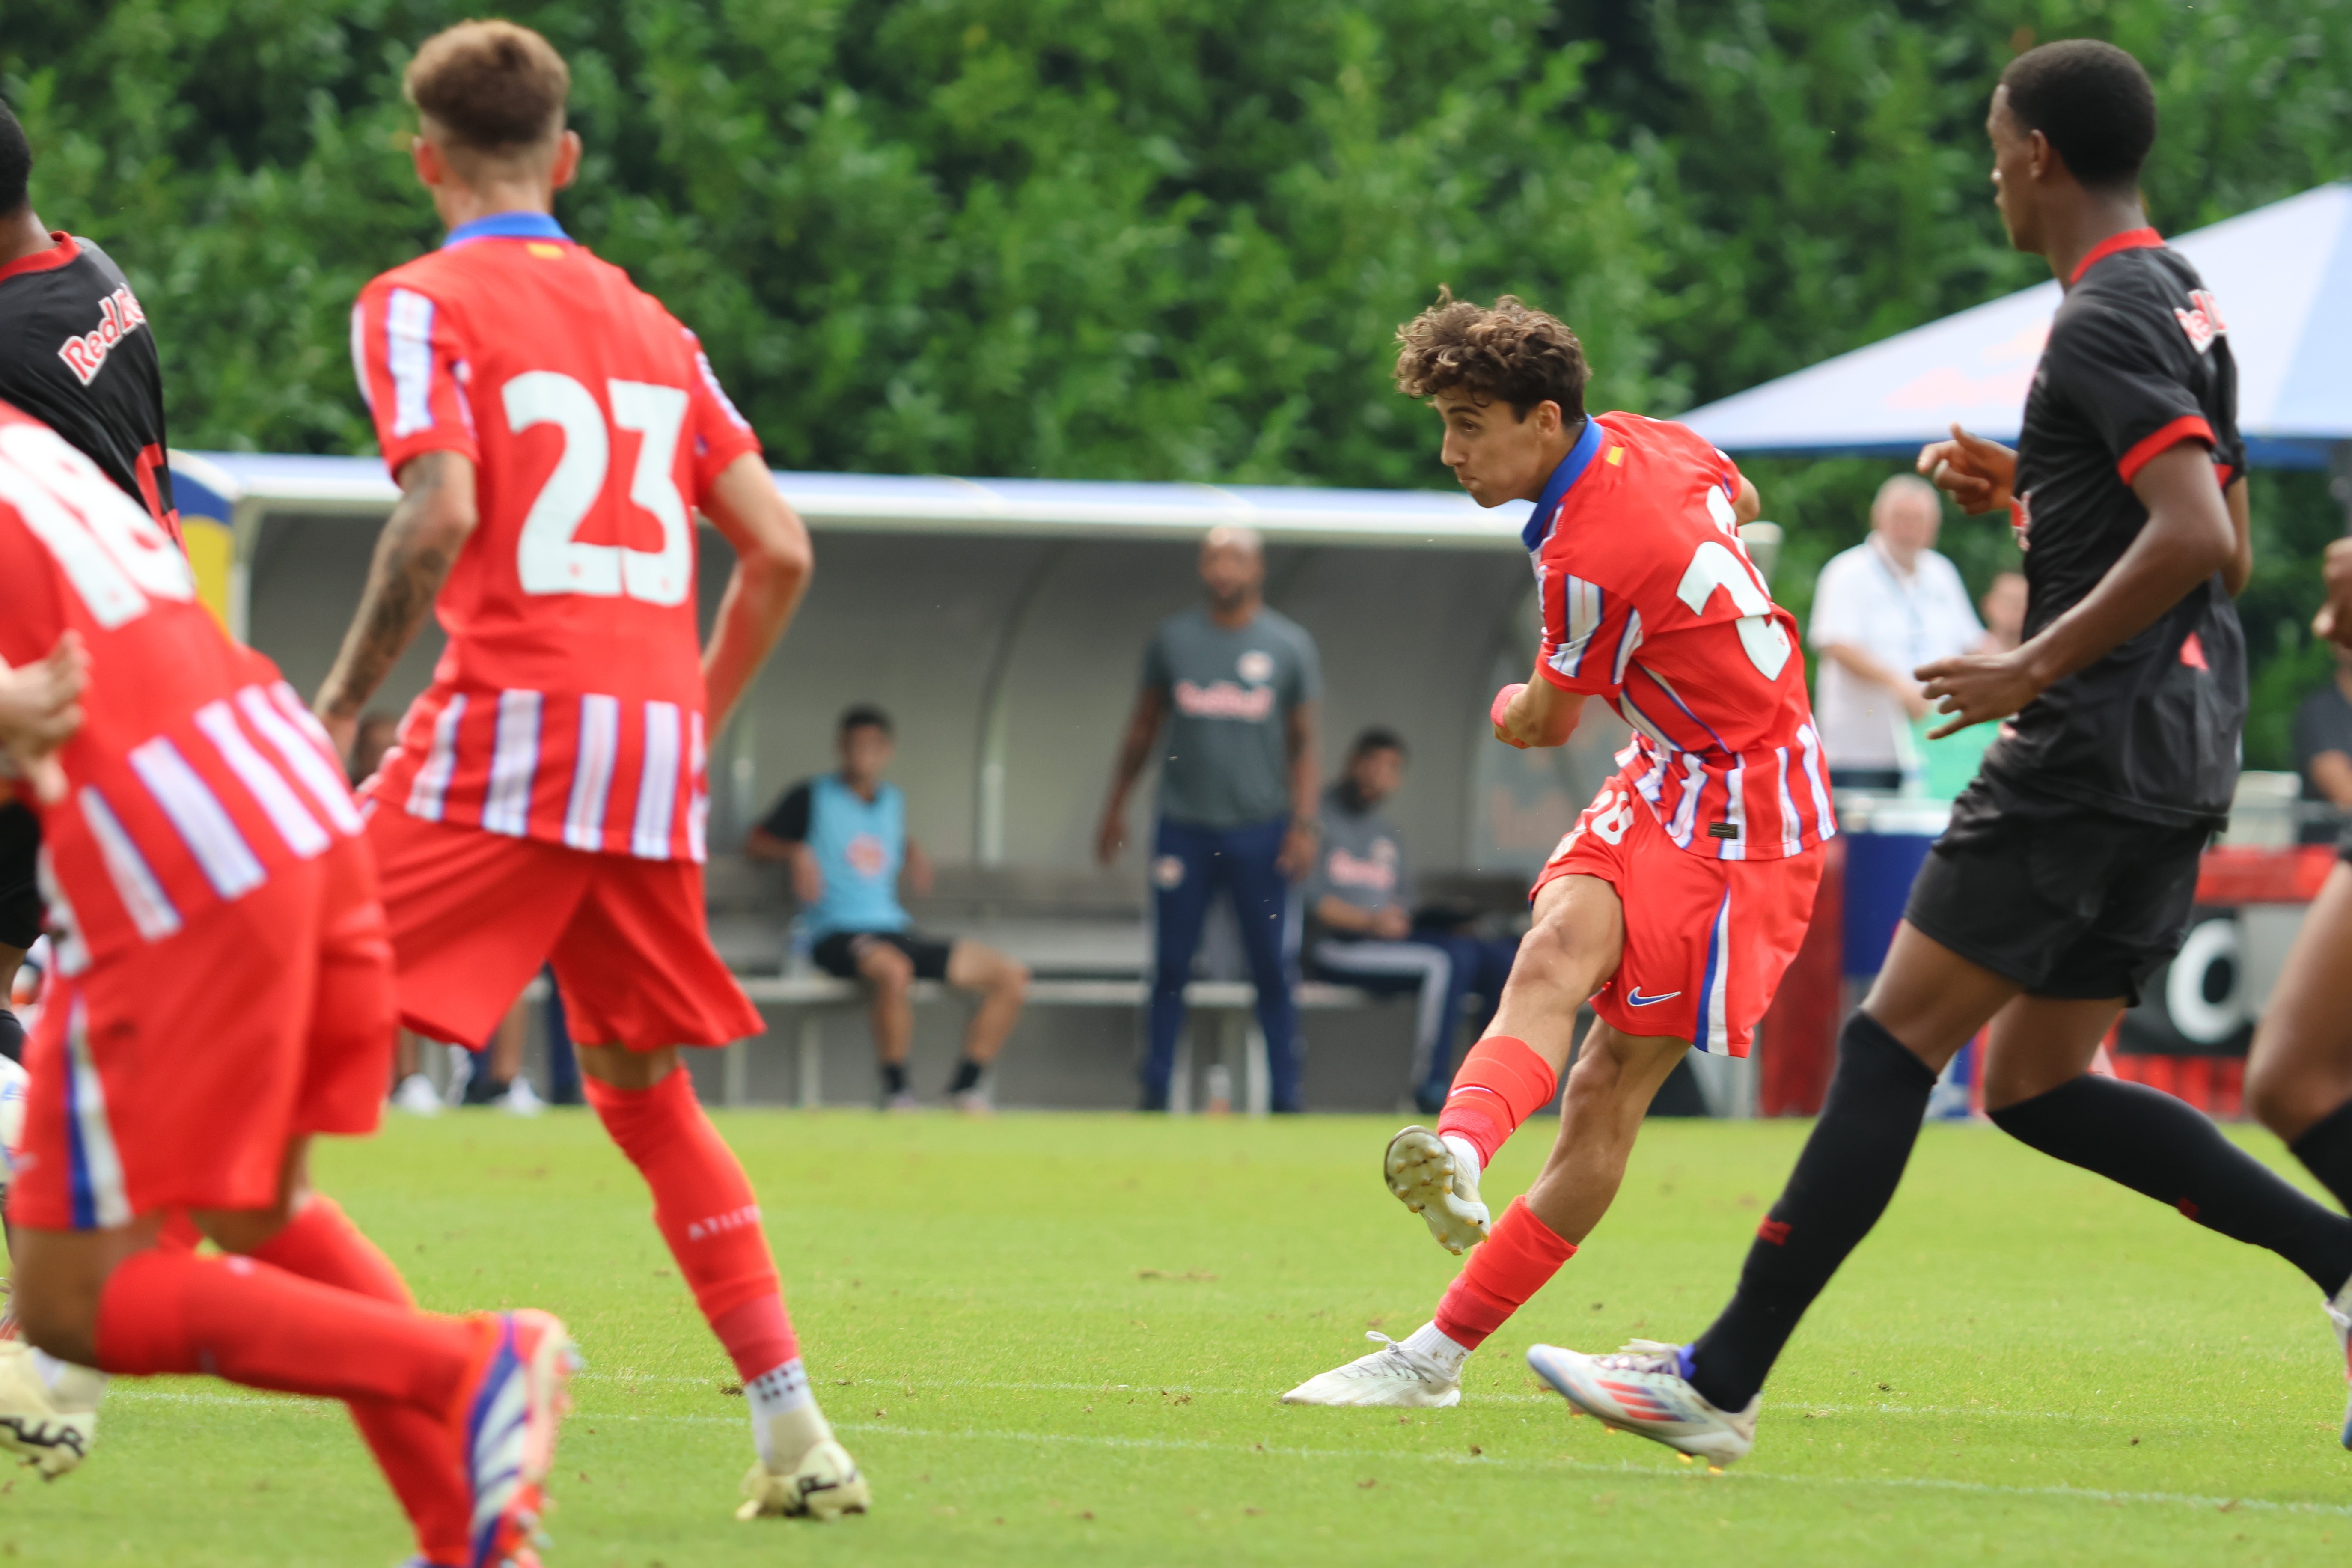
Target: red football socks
(1517,1258)
(1500,1084)
(411,1447)
(164,1310)
(703,1207)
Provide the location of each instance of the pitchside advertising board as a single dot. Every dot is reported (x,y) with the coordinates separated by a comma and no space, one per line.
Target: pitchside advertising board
(2206,1001)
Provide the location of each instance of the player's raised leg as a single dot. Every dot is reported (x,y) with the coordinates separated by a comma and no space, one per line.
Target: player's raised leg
(1574,945)
(2299,1077)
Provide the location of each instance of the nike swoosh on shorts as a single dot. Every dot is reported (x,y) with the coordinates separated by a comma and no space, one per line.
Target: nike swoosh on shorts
(1635,998)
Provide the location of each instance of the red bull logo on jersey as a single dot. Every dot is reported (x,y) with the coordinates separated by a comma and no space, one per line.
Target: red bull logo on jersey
(2202,320)
(1223,700)
(119,317)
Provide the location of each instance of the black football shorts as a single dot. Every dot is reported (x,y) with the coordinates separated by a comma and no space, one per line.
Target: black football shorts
(20,892)
(837,954)
(2066,900)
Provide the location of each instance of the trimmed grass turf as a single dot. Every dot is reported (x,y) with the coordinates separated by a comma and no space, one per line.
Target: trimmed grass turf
(1059,1340)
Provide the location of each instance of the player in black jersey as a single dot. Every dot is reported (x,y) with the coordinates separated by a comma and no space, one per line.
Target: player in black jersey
(77,354)
(2066,877)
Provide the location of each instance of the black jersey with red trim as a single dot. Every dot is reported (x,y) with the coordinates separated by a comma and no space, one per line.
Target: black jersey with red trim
(76,353)
(2138,360)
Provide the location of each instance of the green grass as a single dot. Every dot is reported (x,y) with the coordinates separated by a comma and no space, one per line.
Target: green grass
(1059,1340)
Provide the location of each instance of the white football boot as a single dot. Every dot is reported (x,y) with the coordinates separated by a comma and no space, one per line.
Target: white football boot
(2339,1318)
(822,1483)
(1392,1376)
(1640,1389)
(417,1096)
(49,1427)
(1430,1178)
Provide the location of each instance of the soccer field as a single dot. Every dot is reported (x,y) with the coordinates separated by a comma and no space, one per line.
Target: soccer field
(1061,1338)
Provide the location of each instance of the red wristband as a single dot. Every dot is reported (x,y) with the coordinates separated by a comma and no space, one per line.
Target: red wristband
(1503,702)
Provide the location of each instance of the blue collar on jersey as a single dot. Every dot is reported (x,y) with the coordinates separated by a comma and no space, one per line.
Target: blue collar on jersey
(1572,468)
(507,226)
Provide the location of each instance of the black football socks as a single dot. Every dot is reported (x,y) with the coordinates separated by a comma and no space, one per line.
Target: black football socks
(12,1037)
(1848,1171)
(2166,1150)
(893,1077)
(967,1076)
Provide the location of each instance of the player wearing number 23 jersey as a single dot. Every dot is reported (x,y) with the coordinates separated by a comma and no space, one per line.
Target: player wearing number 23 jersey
(568,709)
(1650,603)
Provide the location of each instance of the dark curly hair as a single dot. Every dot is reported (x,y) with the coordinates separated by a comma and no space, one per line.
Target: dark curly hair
(1521,356)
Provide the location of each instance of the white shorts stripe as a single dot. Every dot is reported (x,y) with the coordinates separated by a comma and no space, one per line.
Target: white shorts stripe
(227,861)
(698,799)
(265,784)
(591,772)
(134,883)
(408,350)
(1718,1019)
(265,710)
(514,766)
(98,1163)
(657,784)
(428,794)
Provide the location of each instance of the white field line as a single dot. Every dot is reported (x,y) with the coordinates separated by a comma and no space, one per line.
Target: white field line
(885,1385)
(1383,1456)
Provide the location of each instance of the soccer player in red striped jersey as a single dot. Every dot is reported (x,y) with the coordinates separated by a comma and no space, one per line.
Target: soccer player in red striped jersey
(1677,900)
(223,994)
(554,431)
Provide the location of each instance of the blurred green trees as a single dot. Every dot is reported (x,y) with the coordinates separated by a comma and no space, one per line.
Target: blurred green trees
(1167,238)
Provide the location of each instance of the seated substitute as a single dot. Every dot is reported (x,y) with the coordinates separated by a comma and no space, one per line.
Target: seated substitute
(844,837)
(1362,927)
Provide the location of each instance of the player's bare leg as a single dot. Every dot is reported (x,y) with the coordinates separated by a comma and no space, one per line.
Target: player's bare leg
(1004,985)
(707,1212)
(1609,1088)
(889,976)
(2299,1077)
(1576,943)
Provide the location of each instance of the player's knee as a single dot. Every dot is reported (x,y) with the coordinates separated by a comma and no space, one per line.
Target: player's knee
(891,972)
(2287,1096)
(1011,980)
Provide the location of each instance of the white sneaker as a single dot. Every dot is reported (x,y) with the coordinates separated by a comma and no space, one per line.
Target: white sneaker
(824,1486)
(901,1102)
(1640,1389)
(417,1096)
(1427,1178)
(51,1430)
(2339,1318)
(971,1101)
(521,1098)
(1390,1375)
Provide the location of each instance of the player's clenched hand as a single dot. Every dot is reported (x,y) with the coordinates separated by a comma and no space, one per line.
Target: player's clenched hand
(1976,689)
(2334,621)
(1499,714)
(40,708)
(1973,471)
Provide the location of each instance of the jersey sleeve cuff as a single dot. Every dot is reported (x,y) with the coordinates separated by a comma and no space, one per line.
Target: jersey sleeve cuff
(398,454)
(1566,683)
(2188,428)
(720,454)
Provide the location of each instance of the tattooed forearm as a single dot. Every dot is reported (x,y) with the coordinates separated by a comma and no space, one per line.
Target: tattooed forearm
(413,556)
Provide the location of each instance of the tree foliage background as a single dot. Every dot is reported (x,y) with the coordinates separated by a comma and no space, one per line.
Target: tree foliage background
(1170,239)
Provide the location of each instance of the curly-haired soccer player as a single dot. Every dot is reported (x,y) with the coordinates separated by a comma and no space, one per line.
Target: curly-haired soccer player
(1679,899)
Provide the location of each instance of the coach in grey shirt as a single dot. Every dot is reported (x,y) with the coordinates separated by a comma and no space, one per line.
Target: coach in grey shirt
(1228,695)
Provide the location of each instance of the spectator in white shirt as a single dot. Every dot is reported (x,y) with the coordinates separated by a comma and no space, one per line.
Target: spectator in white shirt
(1882,609)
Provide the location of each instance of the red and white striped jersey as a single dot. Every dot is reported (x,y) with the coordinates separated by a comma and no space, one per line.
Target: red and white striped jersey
(569,704)
(197,774)
(1650,603)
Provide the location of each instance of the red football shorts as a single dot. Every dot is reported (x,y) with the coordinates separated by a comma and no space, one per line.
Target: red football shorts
(475,914)
(176,1076)
(1707,941)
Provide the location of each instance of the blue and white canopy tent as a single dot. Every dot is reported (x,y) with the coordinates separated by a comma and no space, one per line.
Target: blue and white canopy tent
(2284,277)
